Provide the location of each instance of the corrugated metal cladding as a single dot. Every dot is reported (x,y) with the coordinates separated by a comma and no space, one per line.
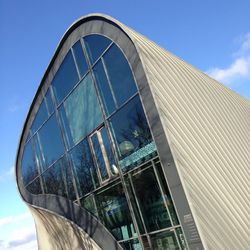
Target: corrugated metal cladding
(208,129)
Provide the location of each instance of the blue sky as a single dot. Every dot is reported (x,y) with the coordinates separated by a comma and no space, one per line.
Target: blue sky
(213,36)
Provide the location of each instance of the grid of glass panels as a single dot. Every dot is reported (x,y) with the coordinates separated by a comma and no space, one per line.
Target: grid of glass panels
(90,142)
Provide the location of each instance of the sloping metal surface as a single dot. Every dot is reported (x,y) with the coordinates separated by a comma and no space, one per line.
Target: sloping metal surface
(208,129)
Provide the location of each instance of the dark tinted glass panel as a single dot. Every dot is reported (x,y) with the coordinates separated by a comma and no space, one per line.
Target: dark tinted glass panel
(99,156)
(120,74)
(104,88)
(132,135)
(65,79)
(167,196)
(95,45)
(29,168)
(89,204)
(35,186)
(53,180)
(150,200)
(84,170)
(49,102)
(65,125)
(40,118)
(164,240)
(80,58)
(131,245)
(83,110)
(51,141)
(67,170)
(114,212)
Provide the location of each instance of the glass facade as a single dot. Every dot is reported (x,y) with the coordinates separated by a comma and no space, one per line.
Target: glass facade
(90,142)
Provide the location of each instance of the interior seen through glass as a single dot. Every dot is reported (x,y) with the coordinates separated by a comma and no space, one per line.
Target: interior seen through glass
(91,143)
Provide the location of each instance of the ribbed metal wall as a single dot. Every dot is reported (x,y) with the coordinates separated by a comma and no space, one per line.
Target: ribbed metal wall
(208,129)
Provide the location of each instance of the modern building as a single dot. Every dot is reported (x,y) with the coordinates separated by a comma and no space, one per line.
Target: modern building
(125,146)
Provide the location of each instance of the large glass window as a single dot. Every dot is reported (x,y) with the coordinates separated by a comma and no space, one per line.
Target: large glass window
(51,141)
(82,109)
(83,167)
(132,135)
(120,74)
(114,212)
(80,58)
(29,168)
(66,77)
(95,45)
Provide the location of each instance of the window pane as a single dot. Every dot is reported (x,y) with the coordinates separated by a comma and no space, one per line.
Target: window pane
(51,141)
(150,200)
(132,135)
(133,244)
(49,102)
(89,204)
(104,88)
(114,212)
(120,74)
(83,110)
(40,118)
(83,167)
(29,168)
(35,186)
(80,58)
(65,79)
(53,179)
(95,45)
(164,240)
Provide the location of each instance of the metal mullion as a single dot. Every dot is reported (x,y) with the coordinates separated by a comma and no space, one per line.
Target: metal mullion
(109,82)
(76,65)
(57,116)
(139,208)
(94,158)
(177,238)
(162,193)
(103,150)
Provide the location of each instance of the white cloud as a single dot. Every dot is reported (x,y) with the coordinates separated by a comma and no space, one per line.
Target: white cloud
(18,232)
(14,219)
(239,69)
(23,238)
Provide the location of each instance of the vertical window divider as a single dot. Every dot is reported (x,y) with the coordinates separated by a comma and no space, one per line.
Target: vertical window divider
(109,82)
(74,58)
(104,153)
